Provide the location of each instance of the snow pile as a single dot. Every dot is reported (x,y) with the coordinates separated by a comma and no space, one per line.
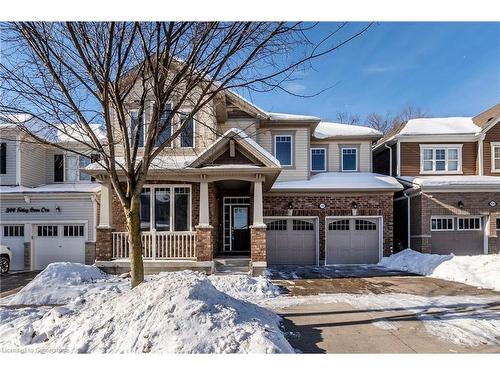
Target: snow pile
(177,312)
(245,287)
(479,270)
(60,283)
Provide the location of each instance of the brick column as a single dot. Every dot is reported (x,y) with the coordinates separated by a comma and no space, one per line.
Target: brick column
(204,243)
(258,243)
(104,244)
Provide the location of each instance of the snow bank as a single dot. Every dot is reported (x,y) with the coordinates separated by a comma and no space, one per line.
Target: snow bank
(178,312)
(479,270)
(59,283)
(245,287)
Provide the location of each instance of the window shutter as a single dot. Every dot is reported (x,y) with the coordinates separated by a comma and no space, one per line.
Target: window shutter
(58,168)
(3,158)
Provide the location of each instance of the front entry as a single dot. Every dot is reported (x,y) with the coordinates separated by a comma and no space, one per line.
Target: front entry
(236,225)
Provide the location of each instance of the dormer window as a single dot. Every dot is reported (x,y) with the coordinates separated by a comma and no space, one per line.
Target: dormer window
(440,158)
(283,149)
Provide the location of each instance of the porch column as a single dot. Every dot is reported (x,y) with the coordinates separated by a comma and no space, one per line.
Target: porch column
(106,210)
(204,220)
(258,215)
(258,231)
(204,231)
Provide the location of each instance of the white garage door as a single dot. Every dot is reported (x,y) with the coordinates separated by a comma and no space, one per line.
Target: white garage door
(352,240)
(58,243)
(291,241)
(13,237)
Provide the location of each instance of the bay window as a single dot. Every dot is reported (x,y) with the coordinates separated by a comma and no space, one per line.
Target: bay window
(440,159)
(159,211)
(283,149)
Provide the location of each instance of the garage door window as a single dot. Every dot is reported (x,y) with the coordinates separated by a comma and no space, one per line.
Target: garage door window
(277,225)
(441,223)
(469,223)
(74,230)
(302,225)
(13,231)
(339,225)
(47,231)
(365,225)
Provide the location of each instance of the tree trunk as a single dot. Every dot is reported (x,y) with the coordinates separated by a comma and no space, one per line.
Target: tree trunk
(135,242)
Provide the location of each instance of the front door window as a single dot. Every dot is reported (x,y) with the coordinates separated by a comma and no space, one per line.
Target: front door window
(240,239)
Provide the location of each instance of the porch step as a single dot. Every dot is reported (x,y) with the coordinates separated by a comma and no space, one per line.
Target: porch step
(233,266)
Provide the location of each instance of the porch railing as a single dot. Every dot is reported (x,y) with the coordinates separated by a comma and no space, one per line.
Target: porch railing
(158,245)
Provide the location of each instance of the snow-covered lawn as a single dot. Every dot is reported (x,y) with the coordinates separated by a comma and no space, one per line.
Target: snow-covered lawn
(479,270)
(179,312)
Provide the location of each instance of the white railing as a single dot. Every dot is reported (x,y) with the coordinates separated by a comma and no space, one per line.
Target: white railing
(158,245)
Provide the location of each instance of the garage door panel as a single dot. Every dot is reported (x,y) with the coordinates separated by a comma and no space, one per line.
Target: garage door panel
(13,237)
(457,242)
(352,241)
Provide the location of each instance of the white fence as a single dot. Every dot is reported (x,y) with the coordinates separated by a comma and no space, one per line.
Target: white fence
(158,245)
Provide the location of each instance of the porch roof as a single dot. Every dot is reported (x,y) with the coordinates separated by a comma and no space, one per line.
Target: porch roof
(459,183)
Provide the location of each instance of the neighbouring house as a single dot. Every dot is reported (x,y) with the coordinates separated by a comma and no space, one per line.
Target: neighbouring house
(48,205)
(244,188)
(450,168)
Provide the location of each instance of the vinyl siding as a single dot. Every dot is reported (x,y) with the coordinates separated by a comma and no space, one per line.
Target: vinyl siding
(249,126)
(33,168)
(410,157)
(9,178)
(300,169)
(493,135)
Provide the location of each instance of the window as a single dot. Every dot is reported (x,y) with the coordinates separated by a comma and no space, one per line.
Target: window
(3,158)
(83,162)
(339,225)
(279,225)
(167,214)
(318,159)
(13,231)
(365,225)
(165,121)
(302,225)
(349,159)
(68,168)
(469,223)
(73,230)
(495,156)
(135,122)
(71,168)
(441,223)
(187,132)
(47,231)
(283,149)
(440,159)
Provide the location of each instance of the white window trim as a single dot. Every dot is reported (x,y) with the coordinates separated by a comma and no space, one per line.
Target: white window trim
(470,217)
(311,162)
(78,180)
(493,146)
(342,159)
(443,217)
(172,187)
(441,146)
(292,156)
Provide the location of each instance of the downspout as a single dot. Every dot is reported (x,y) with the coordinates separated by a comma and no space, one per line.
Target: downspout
(408,226)
(390,158)
(480,152)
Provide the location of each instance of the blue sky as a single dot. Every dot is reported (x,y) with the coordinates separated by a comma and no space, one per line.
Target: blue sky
(446,69)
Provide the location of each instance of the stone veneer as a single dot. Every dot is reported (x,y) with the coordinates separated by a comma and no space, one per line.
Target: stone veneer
(336,204)
(429,204)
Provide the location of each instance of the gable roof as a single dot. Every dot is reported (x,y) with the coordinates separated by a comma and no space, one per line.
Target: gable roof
(484,118)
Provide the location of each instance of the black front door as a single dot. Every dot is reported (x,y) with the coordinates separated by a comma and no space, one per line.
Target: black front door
(240,231)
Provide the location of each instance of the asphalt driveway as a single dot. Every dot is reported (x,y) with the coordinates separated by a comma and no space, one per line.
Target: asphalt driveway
(12,282)
(317,325)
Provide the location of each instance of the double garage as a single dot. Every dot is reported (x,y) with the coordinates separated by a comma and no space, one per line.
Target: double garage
(295,240)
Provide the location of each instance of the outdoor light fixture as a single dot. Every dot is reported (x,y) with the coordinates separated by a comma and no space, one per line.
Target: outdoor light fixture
(58,209)
(460,204)
(354,205)
(290,209)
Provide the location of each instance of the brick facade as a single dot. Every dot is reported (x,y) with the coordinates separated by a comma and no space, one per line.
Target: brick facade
(337,204)
(434,204)
(258,244)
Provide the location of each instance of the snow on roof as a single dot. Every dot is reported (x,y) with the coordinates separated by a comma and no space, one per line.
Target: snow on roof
(160,162)
(332,129)
(337,181)
(446,125)
(290,117)
(75,133)
(452,181)
(52,188)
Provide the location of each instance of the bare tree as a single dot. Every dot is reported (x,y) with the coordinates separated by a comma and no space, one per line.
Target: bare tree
(348,118)
(387,123)
(67,76)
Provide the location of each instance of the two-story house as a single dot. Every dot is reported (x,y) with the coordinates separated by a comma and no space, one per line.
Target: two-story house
(48,205)
(268,188)
(450,168)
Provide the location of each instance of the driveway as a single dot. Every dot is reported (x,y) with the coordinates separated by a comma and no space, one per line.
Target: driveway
(12,282)
(346,309)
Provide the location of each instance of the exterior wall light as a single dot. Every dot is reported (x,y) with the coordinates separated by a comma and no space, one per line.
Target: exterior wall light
(460,205)
(58,209)
(354,207)
(290,209)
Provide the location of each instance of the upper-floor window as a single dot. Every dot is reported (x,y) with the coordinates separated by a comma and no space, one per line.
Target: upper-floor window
(136,122)
(495,156)
(440,159)
(187,132)
(3,158)
(68,168)
(349,159)
(318,159)
(165,127)
(283,149)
